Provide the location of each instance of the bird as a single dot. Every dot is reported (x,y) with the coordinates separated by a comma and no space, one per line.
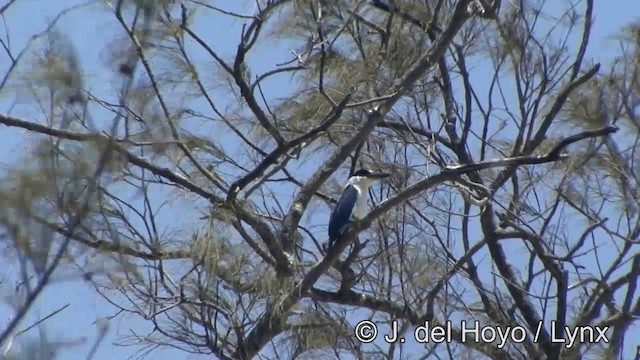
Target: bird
(352,204)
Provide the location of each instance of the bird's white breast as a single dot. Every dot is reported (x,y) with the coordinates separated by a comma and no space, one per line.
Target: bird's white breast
(361,207)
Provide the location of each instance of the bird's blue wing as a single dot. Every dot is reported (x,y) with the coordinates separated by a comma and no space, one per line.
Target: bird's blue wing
(342,212)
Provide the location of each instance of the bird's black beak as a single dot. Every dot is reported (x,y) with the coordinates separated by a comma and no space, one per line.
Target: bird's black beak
(378,175)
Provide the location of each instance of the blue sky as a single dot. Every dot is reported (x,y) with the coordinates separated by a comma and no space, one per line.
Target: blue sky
(90,29)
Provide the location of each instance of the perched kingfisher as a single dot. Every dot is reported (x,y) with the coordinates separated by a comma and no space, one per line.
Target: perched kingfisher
(353,202)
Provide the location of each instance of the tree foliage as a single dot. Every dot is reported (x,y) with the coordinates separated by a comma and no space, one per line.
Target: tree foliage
(191,188)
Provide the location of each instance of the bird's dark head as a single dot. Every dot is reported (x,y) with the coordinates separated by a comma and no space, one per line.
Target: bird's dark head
(366,176)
